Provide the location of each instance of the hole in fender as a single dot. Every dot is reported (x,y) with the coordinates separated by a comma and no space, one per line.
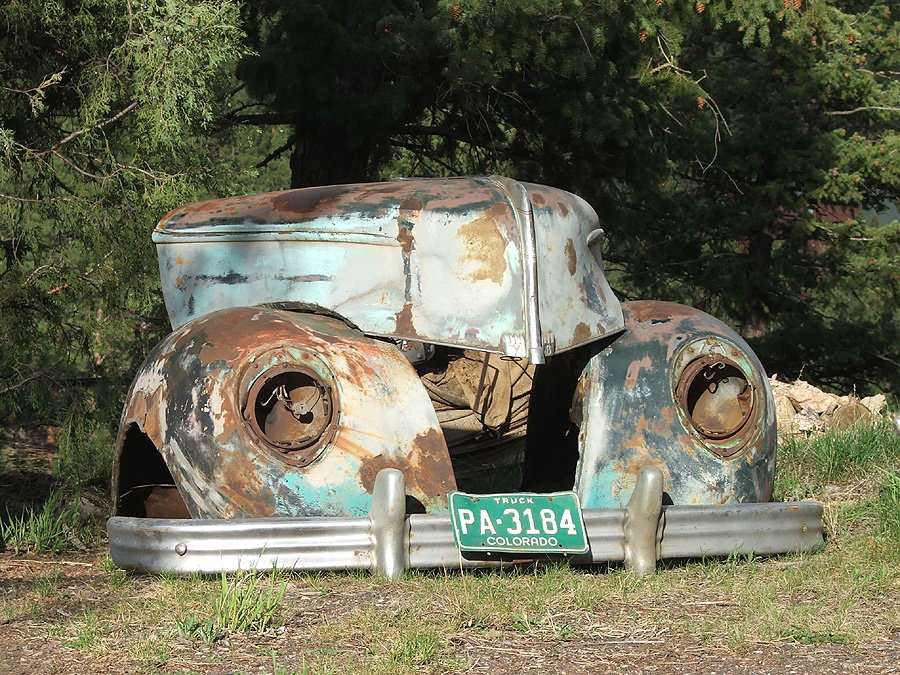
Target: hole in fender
(146,487)
(552,450)
(413,505)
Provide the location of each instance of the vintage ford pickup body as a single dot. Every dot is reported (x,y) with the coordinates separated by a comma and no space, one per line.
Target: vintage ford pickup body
(345,357)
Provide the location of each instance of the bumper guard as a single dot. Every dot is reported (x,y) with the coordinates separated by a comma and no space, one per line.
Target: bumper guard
(389,541)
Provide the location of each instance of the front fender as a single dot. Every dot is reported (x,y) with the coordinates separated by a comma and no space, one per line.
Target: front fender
(682,391)
(258,412)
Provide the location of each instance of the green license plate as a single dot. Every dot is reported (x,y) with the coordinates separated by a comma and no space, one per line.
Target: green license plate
(520,522)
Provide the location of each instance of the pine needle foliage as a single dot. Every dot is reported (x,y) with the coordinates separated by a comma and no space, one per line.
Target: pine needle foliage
(105,111)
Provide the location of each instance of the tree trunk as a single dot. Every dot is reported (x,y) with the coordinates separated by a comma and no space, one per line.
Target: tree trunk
(326,156)
(754,314)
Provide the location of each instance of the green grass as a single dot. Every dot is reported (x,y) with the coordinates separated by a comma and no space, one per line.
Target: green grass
(190,628)
(85,443)
(51,528)
(856,472)
(806,466)
(84,633)
(246,602)
(887,504)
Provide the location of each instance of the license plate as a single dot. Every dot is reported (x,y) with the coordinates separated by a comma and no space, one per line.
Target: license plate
(521,522)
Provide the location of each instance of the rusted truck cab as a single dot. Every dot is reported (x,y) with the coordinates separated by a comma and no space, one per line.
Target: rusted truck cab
(346,352)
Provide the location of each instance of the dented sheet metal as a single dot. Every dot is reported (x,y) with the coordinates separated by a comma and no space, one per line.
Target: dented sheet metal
(389,541)
(233,402)
(481,263)
(681,391)
(283,423)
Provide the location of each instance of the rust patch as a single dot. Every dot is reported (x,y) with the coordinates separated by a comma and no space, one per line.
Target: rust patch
(636,441)
(632,467)
(361,448)
(378,189)
(405,325)
(634,370)
(428,471)
(241,483)
(141,411)
(582,332)
(652,310)
(485,246)
(434,473)
(180,282)
(563,208)
(179,260)
(307,200)
(411,204)
(409,212)
(570,256)
(406,239)
(164,501)
(537,199)
(370,467)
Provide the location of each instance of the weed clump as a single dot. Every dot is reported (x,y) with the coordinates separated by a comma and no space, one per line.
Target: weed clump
(245,604)
(50,528)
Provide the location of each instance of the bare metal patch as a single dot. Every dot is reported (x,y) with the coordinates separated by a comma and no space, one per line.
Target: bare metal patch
(485,245)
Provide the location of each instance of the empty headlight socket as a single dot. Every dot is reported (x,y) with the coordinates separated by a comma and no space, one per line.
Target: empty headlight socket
(289,402)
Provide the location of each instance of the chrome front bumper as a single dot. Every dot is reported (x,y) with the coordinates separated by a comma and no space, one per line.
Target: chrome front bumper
(389,541)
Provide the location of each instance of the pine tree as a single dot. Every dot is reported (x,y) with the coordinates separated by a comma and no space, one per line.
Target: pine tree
(104,111)
(714,138)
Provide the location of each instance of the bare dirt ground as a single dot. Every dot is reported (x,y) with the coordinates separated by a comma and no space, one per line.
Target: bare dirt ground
(33,637)
(28,643)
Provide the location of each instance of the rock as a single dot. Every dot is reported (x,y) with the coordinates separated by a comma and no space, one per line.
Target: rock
(874,404)
(802,409)
(88,511)
(849,414)
(804,395)
(784,409)
(806,420)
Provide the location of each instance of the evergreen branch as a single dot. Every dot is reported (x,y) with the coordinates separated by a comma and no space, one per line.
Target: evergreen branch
(38,91)
(264,118)
(30,200)
(278,152)
(157,177)
(885,73)
(233,113)
(669,61)
(863,109)
(574,20)
(670,114)
(452,134)
(118,168)
(68,161)
(28,378)
(881,357)
(75,134)
(83,277)
(421,150)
